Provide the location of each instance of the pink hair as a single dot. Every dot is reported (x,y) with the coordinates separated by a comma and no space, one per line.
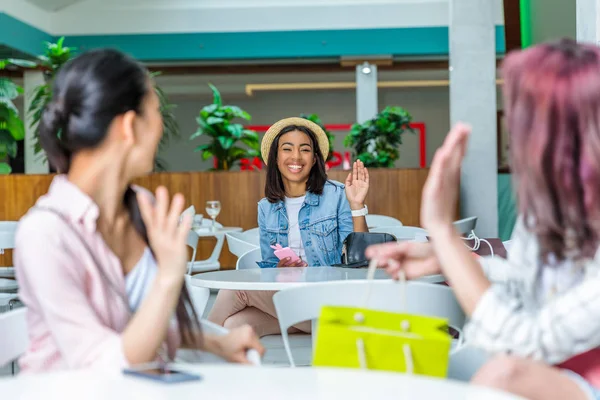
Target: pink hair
(552,106)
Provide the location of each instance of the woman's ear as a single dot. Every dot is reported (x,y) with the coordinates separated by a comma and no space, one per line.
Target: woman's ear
(127,122)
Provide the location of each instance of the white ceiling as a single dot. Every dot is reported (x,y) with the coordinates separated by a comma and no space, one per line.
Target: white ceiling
(53,5)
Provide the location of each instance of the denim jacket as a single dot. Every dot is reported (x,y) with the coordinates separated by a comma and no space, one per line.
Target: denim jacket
(324,221)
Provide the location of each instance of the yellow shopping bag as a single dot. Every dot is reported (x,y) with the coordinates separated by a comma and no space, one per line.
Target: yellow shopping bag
(381,340)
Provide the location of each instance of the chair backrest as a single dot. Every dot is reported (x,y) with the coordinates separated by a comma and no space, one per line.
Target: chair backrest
(191,210)
(8,230)
(199,295)
(466,225)
(251,236)
(249,260)
(304,303)
(252,231)
(238,245)
(14,338)
(402,232)
(192,241)
(465,362)
(374,221)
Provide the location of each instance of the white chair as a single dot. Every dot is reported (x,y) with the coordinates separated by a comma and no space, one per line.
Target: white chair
(191,210)
(465,362)
(15,338)
(212,263)
(252,234)
(375,221)
(7,241)
(507,244)
(199,296)
(304,303)
(197,356)
(238,245)
(403,232)
(466,225)
(249,260)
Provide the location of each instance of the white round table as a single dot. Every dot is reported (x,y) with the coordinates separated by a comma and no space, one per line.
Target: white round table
(208,231)
(282,278)
(238,382)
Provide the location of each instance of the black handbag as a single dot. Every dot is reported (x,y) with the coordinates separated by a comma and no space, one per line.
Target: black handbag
(355,245)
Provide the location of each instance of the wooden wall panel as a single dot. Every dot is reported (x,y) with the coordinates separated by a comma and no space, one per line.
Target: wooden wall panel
(393,192)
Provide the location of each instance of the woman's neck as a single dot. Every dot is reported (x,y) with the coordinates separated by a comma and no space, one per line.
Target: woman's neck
(294,189)
(104,184)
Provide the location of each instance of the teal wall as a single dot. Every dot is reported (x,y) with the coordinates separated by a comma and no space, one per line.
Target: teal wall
(248,45)
(21,36)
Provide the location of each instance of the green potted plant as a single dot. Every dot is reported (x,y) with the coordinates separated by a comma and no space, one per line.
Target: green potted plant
(11,125)
(54,57)
(215,121)
(375,142)
(315,118)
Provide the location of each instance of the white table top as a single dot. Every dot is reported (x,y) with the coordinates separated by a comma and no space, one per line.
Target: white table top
(249,383)
(208,232)
(282,278)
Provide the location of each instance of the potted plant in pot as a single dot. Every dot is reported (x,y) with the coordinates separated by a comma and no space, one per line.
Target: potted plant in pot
(216,122)
(54,57)
(375,142)
(12,129)
(315,118)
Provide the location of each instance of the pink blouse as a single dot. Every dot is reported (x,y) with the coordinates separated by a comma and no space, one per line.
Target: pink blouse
(75,314)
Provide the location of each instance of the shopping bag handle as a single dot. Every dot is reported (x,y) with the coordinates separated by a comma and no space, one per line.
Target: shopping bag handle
(371,277)
(402,285)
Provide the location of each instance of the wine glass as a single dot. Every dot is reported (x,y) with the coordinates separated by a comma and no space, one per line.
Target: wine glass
(213,208)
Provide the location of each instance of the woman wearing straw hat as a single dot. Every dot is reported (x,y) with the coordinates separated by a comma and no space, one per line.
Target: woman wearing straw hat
(302,210)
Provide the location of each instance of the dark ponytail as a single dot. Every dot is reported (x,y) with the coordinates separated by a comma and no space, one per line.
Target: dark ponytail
(52,124)
(88,93)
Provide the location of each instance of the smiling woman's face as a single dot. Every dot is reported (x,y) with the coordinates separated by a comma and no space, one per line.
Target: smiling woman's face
(295,156)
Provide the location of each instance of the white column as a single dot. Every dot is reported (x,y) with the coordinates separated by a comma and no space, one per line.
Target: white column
(366,92)
(588,21)
(34,163)
(473,100)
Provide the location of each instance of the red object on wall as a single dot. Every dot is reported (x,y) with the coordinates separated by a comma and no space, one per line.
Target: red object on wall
(257,164)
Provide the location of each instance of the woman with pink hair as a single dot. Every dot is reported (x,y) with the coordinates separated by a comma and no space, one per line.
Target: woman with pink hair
(538,311)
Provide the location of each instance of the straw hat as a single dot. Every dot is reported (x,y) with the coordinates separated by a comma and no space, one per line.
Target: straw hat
(276,128)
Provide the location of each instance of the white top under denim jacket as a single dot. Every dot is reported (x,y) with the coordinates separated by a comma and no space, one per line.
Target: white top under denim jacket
(515,316)
(324,221)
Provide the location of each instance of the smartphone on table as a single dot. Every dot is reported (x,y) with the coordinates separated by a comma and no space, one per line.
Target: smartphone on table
(284,252)
(161,373)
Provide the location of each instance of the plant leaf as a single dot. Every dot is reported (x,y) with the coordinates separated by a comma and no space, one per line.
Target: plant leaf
(22,63)
(5,169)
(236,130)
(206,154)
(209,109)
(214,120)
(236,112)
(250,134)
(216,95)
(8,88)
(226,142)
(251,142)
(15,126)
(8,145)
(8,104)
(203,147)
